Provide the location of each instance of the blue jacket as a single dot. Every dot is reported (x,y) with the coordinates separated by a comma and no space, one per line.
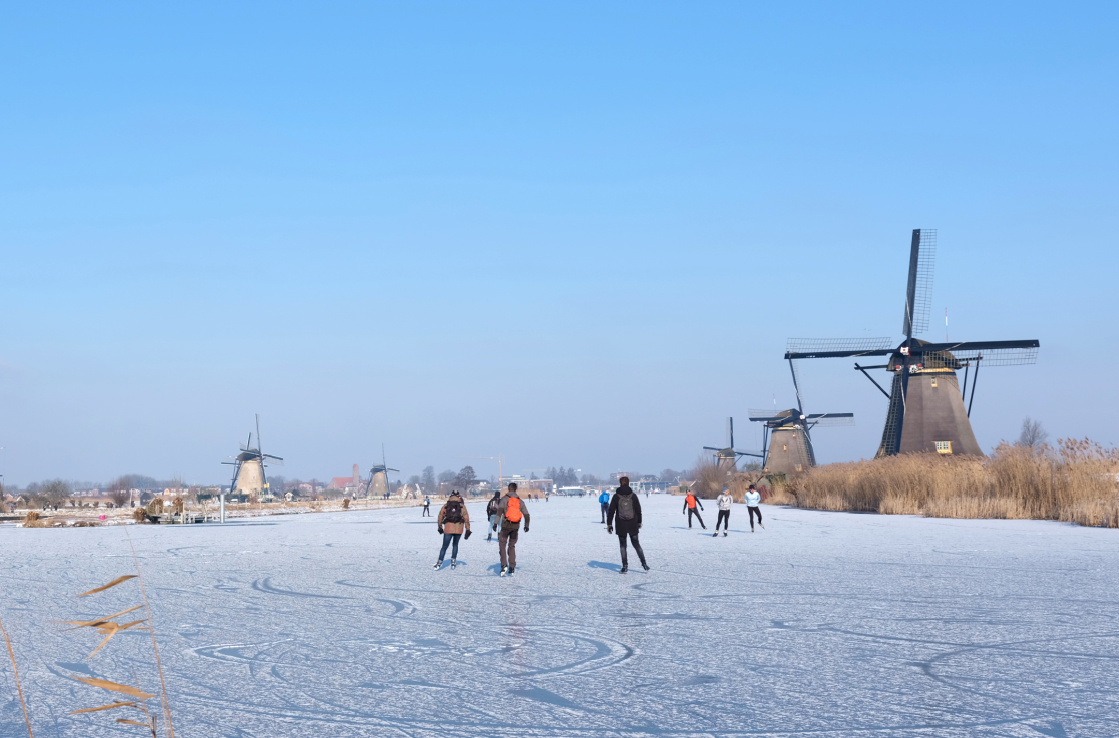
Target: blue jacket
(604,498)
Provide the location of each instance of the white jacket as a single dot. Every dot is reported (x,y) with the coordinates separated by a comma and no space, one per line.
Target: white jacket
(752,499)
(724,501)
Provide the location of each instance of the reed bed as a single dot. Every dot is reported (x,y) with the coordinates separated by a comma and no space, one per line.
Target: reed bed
(1074,482)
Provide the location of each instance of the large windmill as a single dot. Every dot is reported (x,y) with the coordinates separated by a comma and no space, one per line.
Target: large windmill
(378,484)
(727,457)
(926,410)
(787,440)
(248,468)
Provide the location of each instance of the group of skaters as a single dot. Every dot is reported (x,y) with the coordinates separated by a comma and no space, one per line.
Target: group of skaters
(621,513)
(752,498)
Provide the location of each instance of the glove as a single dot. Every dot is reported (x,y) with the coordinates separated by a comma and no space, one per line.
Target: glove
(609,529)
(467,536)
(495,527)
(440,530)
(526,529)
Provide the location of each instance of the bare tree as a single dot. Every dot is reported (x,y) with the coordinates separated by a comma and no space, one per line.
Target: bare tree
(1033,435)
(119,492)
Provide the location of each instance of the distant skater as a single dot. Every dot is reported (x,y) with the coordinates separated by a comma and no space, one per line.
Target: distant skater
(753,499)
(604,503)
(427,507)
(724,501)
(625,513)
(511,510)
(491,513)
(690,503)
(452,520)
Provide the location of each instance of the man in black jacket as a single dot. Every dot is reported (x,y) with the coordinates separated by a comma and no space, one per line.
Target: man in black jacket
(625,511)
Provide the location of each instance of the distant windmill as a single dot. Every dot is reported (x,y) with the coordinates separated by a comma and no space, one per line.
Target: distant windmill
(248,468)
(787,443)
(926,410)
(378,484)
(727,457)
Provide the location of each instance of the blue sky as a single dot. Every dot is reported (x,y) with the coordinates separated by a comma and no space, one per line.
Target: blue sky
(565,233)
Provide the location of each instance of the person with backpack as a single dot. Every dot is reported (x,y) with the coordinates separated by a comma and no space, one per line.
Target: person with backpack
(452,520)
(625,515)
(491,513)
(604,503)
(724,500)
(427,507)
(511,510)
(753,499)
(690,503)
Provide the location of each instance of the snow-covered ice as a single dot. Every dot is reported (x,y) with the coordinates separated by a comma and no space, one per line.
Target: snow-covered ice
(822,624)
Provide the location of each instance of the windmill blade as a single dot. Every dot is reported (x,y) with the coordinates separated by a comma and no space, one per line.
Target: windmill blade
(711,448)
(991,353)
(814,416)
(833,421)
(827,348)
(389,468)
(918,290)
(270,456)
(768,419)
(758,454)
(730,432)
(274,460)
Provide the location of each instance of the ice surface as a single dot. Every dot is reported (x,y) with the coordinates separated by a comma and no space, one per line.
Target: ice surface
(822,624)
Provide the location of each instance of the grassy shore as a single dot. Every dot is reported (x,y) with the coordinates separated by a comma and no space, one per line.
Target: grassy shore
(1074,482)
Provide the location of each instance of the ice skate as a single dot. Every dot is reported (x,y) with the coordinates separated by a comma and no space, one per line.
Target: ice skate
(644,566)
(453,563)
(624,569)
(715,534)
(724,536)
(504,570)
(438,564)
(511,568)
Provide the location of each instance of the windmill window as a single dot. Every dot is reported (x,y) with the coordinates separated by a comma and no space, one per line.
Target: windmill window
(943,447)
(798,467)
(785,447)
(934,384)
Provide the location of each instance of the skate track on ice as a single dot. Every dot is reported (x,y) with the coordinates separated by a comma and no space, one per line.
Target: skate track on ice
(824,624)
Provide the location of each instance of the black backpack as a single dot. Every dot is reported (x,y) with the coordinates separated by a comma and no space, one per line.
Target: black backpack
(454,511)
(625,507)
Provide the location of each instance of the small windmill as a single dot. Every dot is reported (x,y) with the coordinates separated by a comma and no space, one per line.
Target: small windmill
(378,484)
(926,405)
(787,440)
(727,457)
(248,469)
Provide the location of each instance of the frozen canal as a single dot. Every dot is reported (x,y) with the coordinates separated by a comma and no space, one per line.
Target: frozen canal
(823,624)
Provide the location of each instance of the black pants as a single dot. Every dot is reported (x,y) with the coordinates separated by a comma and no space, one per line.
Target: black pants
(605,506)
(636,546)
(724,518)
(427,511)
(448,538)
(754,511)
(693,511)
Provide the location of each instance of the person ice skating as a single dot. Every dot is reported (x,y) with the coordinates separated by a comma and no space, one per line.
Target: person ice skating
(427,507)
(724,500)
(690,503)
(753,499)
(604,503)
(491,513)
(625,515)
(453,518)
(511,510)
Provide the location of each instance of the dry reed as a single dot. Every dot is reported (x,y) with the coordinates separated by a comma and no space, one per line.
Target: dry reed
(15,671)
(1075,482)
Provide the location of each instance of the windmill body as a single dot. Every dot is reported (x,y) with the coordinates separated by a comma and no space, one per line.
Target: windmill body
(249,478)
(788,444)
(935,418)
(928,409)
